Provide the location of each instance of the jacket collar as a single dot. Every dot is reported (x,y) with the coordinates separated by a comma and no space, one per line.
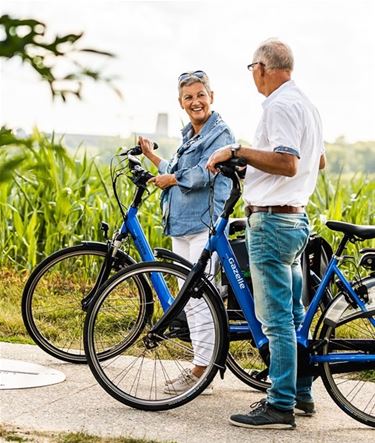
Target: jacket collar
(212,121)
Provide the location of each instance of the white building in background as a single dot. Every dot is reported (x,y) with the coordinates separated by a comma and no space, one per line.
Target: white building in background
(162,125)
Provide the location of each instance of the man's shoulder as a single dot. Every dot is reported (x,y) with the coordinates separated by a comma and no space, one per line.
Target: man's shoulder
(289,103)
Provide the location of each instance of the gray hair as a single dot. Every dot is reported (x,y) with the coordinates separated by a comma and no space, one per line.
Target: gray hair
(275,55)
(194,79)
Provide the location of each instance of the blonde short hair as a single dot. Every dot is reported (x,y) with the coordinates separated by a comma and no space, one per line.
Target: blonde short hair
(191,79)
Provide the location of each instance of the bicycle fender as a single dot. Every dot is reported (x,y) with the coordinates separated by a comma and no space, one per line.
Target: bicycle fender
(166,254)
(341,310)
(128,260)
(104,247)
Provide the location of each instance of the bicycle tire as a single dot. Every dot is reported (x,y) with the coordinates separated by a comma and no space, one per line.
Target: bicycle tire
(139,375)
(353,392)
(247,364)
(51,299)
(244,359)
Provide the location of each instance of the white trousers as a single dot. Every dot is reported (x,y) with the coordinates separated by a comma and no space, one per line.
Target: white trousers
(198,315)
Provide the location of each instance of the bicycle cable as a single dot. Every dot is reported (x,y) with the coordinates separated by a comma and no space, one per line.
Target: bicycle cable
(117,171)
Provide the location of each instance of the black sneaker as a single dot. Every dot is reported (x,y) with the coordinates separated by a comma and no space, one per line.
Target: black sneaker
(304,408)
(264,416)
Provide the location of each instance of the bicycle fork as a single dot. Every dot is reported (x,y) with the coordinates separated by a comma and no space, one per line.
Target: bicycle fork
(188,290)
(104,272)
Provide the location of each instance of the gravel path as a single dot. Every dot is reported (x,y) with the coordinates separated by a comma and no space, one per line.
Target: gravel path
(79,404)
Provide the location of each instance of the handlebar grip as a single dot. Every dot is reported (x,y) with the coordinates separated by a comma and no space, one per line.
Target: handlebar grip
(232,163)
(137,149)
(231,166)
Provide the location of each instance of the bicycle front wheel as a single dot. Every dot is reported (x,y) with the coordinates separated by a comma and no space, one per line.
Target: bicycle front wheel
(143,374)
(351,388)
(51,301)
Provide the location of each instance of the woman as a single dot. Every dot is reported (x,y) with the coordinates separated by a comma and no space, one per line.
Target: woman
(185,184)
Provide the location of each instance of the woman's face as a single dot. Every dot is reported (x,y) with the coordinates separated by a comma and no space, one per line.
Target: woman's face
(196,101)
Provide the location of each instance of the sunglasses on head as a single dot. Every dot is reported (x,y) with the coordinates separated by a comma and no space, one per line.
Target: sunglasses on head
(185,75)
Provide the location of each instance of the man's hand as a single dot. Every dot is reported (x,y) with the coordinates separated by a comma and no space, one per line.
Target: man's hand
(221,155)
(164,181)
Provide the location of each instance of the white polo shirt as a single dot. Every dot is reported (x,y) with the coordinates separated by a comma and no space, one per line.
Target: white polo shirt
(290,123)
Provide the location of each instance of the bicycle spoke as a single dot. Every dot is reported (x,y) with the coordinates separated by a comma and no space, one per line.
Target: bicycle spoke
(146,365)
(354,391)
(51,301)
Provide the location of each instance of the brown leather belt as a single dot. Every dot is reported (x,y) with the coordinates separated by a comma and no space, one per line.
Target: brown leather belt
(275,209)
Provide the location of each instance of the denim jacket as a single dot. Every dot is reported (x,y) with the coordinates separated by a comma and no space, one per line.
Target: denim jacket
(185,206)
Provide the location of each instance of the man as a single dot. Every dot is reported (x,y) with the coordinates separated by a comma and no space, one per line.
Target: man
(283,166)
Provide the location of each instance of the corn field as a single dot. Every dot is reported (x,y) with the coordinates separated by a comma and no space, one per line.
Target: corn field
(50,199)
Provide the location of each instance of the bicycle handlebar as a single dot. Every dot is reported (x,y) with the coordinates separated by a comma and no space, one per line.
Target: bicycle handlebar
(137,150)
(230,167)
(140,175)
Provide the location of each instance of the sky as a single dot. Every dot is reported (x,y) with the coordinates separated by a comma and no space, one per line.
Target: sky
(333,42)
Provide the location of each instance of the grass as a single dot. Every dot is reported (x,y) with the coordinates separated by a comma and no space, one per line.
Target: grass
(12,328)
(9,434)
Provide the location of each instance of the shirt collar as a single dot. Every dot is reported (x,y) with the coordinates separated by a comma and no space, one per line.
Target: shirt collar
(287,85)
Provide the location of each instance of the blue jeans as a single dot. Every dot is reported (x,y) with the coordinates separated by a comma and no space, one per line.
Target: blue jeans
(275,243)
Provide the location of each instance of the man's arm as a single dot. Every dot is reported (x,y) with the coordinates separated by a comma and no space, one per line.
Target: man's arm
(276,163)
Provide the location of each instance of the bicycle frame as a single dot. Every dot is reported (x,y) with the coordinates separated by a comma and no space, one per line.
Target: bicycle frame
(132,226)
(331,271)
(219,243)
(303,331)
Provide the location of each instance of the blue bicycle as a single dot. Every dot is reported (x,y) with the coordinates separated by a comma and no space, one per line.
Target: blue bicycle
(151,352)
(59,290)
(57,293)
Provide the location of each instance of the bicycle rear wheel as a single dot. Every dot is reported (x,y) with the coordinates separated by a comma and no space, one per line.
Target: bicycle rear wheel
(246,363)
(141,373)
(353,390)
(244,359)
(51,301)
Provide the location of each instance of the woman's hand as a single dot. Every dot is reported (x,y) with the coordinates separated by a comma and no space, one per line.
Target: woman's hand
(146,145)
(164,181)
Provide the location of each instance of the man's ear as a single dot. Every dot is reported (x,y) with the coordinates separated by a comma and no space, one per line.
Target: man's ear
(180,101)
(212,97)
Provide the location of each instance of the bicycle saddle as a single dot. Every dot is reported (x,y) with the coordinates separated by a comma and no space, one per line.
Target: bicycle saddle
(365,232)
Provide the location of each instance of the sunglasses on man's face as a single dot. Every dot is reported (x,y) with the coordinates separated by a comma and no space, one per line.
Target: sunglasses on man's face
(186,75)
